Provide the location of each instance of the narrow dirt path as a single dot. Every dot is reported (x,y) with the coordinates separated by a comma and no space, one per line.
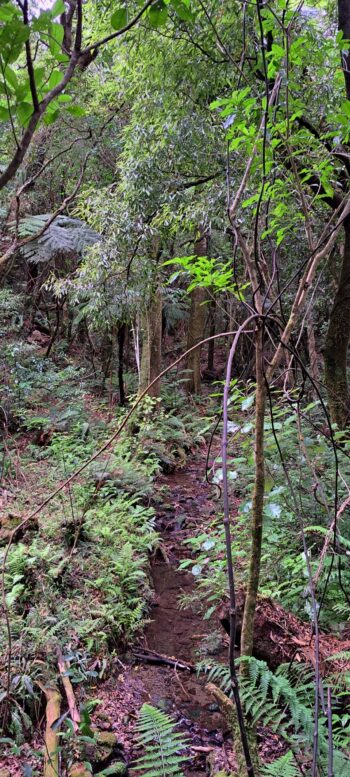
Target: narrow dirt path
(176,632)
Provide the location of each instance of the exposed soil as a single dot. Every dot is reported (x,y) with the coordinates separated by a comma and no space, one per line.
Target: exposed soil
(175,632)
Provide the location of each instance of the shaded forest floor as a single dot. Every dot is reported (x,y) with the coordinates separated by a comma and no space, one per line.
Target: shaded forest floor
(98,571)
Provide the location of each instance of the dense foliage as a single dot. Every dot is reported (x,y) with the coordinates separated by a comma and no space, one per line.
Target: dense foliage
(173,172)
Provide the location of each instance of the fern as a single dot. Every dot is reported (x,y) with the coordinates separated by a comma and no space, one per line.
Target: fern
(274,700)
(285,765)
(162,744)
(64,234)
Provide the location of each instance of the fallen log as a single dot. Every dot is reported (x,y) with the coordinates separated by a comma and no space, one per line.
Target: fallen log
(53,706)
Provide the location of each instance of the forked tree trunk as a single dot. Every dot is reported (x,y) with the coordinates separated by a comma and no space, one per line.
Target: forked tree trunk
(337,343)
(151,357)
(196,324)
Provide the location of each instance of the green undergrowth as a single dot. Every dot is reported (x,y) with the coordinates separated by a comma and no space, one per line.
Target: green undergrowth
(77,575)
(300,496)
(283,702)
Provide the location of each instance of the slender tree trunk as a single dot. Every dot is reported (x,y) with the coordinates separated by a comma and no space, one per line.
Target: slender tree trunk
(196,323)
(121,342)
(337,343)
(151,357)
(312,350)
(247,635)
(211,346)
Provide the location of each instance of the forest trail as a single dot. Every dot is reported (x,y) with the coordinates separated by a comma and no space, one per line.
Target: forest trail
(176,632)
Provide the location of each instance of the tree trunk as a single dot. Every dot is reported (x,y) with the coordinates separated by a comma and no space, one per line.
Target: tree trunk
(212,325)
(151,357)
(121,343)
(196,323)
(247,636)
(312,351)
(337,343)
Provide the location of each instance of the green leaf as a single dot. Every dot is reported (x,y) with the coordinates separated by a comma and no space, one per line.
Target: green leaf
(6,13)
(51,116)
(40,76)
(182,10)
(120,18)
(56,38)
(58,8)
(24,112)
(76,110)
(42,22)
(158,14)
(64,98)
(345,107)
(4,113)
(55,78)
(248,402)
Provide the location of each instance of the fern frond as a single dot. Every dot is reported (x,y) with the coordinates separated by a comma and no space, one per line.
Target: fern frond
(270,699)
(163,745)
(64,234)
(285,765)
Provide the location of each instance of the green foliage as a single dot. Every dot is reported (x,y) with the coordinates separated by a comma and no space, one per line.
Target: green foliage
(284,568)
(283,702)
(208,273)
(64,235)
(285,765)
(163,746)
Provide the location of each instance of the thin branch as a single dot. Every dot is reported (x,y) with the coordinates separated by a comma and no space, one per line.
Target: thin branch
(30,68)
(229,557)
(116,34)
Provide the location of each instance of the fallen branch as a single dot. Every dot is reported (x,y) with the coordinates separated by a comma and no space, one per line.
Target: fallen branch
(73,709)
(151,657)
(53,705)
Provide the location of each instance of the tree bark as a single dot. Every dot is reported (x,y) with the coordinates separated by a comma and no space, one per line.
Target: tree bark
(247,636)
(196,322)
(337,343)
(212,325)
(151,357)
(53,704)
(121,343)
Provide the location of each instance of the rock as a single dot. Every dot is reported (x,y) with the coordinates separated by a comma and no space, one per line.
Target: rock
(106,739)
(78,770)
(38,338)
(104,751)
(10,522)
(5,772)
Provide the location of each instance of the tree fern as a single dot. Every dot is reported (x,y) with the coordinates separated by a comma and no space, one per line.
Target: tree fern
(64,234)
(163,746)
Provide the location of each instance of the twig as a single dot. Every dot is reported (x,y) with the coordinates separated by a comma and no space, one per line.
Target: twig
(151,657)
